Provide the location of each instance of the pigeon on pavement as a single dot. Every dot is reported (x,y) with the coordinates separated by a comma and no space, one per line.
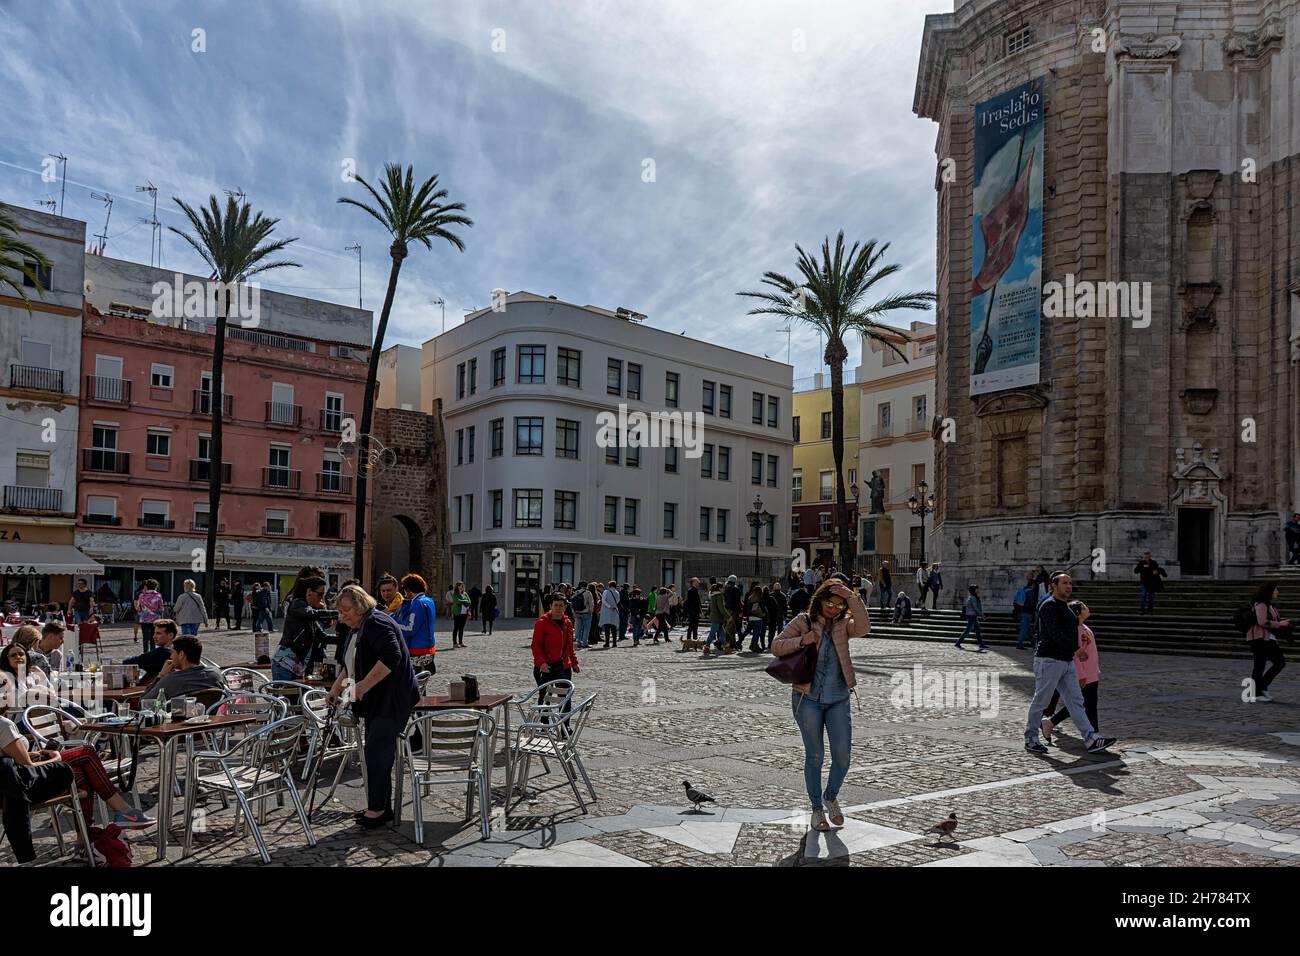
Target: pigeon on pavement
(945,827)
(696,796)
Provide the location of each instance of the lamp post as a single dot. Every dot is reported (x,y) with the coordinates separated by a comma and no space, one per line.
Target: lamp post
(921,507)
(757,518)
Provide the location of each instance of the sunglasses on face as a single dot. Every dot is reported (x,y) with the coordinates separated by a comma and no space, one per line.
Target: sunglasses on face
(836,603)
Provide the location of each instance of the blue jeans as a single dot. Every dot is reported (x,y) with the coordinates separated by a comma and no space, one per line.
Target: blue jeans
(637,622)
(972,623)
(78,617)
(583,629)
(718,632)
(1026,620)
(1053,676)
(264,615)
(886,598)
(817,721)
(190,629)
(1146,597)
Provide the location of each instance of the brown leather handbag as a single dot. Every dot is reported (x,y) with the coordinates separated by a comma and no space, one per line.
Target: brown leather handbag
(798,667)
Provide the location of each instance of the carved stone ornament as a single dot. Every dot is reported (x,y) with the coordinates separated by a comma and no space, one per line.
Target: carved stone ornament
(1197,481)
(1198,304)
(1199,401)
(1148,46)
(1250,45)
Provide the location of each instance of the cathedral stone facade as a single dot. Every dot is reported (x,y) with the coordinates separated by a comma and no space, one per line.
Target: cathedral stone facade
(1171,156)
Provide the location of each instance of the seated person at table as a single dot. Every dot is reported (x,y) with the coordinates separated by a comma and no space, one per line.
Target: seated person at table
(189,673)
(157,662)
(20,680)
(27,778)
(47,653)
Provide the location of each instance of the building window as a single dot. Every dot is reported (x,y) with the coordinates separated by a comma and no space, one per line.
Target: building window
(155,514)
(161,376)
(724,463)
(566,438)
(670,520)
(670,458)
(1012,472)
(630,509)
(772,463)
(771,533)
(756,468)
(496,498)
(568,367)
(528,507)
(158,443)
(469,513)
(473,375)
(1018,40)
(724,401)
(613,454)
(668,573)
(44,275)
(634,456)
(611,515)
(826,488)
(884,477)
(614,377)
(633,381)
(566,510)
(460,446)
(705,515)
(672,382)
(564,568)
(532,365)
(277,522)
(773,411)
(756,408)
(460,380)
(331,473)
(32,469)
(278,474)
(528,436)
(723,513)
(826,425)
(796,485)
(706,462)
(918,476)
(201,514)
(469,445)
(455,513)
(853,476)
(794,526)
(622,568)
(332,421)
(707,399)
(884,420)
(101,510)
(795,427)
(329,525)
(920,414)
(498,367)
(497,437)
(824,523)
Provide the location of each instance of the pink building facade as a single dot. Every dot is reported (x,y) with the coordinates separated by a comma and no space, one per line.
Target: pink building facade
(144,458)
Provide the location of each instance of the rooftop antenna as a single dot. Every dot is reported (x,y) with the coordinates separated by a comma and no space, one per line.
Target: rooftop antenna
(236,194)
(49,202)
(356,247)
(155,227)
(64,188)
(442,302)
(788,329)
(107,200)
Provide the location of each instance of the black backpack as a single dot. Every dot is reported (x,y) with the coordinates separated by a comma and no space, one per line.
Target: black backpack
(1243,619)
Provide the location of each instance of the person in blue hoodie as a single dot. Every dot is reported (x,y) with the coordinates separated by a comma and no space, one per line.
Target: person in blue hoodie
(416,619)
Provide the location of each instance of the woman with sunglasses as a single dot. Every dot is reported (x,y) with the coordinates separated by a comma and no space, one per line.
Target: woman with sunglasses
(821,706)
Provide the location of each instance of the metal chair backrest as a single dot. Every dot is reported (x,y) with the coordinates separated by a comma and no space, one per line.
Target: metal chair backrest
(209,696)
(266,706)
(243,678)
(450,730)
(314,708)
(578,717)
(45,722)
(276,744)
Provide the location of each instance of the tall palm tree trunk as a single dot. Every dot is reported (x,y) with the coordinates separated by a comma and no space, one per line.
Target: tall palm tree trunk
(398,253)
(217,402)
(835,356)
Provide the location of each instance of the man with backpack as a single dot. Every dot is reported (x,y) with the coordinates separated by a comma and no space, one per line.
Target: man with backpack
(580,604)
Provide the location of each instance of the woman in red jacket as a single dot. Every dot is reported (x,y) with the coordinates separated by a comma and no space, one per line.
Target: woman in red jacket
(553,654)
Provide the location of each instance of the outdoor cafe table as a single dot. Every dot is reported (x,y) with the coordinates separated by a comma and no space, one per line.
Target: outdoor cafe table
(166,736)
(486,702)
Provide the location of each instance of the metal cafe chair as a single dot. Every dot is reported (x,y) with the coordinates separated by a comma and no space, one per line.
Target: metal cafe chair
(555,735)
(455,748)
(546,702)
(253,770)
(45,724)
(243,678)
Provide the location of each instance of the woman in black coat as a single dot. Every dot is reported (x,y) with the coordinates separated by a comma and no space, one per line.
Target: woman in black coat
(378,679)
(487,609)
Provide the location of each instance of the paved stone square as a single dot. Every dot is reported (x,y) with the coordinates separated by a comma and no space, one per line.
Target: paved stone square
(1198,778)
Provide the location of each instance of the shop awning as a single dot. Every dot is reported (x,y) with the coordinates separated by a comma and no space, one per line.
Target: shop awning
(46,559)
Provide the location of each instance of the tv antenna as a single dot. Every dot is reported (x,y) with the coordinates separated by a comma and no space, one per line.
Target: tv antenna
(49,202)
(356,247)
(64,188)
(155,227)
(107,200)
(236,194)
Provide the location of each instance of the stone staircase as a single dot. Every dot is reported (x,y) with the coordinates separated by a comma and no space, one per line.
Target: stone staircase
(1193,617)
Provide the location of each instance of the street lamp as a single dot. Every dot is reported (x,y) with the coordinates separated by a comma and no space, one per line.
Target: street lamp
(921,507)
(757,518)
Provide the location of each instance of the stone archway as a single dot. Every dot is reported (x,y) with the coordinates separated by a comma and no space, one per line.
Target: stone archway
(399,546)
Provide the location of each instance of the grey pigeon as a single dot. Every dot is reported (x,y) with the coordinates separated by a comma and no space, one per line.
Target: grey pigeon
(945,827)
(696,796)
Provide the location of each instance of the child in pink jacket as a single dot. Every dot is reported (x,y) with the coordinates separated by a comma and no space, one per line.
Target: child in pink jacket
(1088,669)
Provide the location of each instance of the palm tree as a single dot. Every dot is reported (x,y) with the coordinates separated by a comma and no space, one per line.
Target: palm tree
(236,246)
(18,256)
(410,214)
(829,297)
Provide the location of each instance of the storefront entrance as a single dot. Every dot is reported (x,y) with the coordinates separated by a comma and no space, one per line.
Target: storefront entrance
(528,584)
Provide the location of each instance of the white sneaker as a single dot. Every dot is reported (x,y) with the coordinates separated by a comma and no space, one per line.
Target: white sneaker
(819,821)
(1046,728)
(1263,699)
(836,814)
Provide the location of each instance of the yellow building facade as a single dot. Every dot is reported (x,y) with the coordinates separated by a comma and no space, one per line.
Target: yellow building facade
(813,526)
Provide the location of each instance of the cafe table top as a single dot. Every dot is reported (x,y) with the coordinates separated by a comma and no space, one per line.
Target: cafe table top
(122,693)
(178,728)
(445,702)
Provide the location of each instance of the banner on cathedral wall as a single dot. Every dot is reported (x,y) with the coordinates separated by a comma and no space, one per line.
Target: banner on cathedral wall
(1007,240)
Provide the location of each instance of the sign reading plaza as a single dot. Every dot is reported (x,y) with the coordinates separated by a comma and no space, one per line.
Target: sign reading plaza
(1007,240)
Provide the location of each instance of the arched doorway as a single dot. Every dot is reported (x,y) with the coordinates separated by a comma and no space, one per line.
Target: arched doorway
(399,547)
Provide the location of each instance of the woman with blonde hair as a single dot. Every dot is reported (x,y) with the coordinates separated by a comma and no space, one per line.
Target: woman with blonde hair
(189,611)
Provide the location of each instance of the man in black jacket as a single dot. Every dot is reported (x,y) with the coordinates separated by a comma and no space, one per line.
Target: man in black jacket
(1058,641)
(693,605)
(1149,573)
(731,599)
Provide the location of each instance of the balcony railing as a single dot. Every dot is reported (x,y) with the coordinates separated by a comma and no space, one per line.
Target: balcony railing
(103,459)
(31,498)
(278,532)
(283,413)
(331,482)
(203,526)
(331,420)
(882,430)
(112,520)
(918,425)
(201,470)
(284,479)
(155,521)
(36,378)
(201,403)
(115,391)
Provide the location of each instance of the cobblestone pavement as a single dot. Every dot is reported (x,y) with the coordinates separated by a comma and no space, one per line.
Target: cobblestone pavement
(1198,778)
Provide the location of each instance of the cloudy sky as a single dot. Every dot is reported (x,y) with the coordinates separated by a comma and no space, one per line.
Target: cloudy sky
(763,123)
